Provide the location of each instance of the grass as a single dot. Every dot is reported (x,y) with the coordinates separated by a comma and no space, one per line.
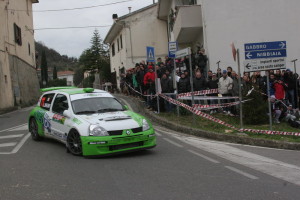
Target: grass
(207,125)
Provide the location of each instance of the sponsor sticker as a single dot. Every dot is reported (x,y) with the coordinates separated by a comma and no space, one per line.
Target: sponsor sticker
(59,119)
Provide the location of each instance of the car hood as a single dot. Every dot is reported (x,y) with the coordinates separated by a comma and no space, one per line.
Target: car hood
(119,120)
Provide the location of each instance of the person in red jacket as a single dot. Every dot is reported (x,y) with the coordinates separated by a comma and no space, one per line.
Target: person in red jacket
(279,87)
(149,82)
(149,77)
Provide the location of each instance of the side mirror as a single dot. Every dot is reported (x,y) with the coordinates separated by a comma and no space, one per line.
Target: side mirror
(67,114)
(126,107)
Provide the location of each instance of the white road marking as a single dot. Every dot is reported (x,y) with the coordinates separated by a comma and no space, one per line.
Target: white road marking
(172,142)
(158,134)
(203,156)
(241,172)
(275,168)
(12,128)
(20,144)
(11,136)
(171,133)
(8,144)
(20,128)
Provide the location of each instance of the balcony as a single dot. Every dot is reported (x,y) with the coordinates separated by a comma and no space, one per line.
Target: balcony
(188,23)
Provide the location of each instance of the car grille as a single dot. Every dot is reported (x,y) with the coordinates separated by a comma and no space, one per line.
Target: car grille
(137,130)
(119,132)
(125,146)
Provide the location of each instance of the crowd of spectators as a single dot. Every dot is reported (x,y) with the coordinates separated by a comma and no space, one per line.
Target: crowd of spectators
(283,83)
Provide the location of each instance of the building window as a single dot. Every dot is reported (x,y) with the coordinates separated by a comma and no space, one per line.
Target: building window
(29,51)
(121,41)
(118,41)
(18,34)
(113,49)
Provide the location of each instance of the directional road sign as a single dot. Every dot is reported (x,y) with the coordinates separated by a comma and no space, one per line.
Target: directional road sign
(265,56)
(183,52)
(150,54)
(173,47)
(264,64)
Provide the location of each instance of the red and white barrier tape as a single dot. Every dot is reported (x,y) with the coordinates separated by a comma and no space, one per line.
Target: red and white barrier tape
(197,112)
(213,106)
(202,92)
(139,92)
(211,118)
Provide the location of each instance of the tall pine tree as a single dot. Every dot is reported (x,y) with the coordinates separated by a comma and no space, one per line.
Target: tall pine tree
(54,73)
(44,69)
(96,58)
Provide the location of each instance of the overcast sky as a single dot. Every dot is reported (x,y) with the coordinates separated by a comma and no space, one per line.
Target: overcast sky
(72,42)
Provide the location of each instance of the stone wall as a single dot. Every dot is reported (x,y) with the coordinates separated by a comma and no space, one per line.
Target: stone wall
(25,83)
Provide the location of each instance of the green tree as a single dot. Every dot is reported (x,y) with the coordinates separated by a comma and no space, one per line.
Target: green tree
(96,58)
(54,73)
(44,69)
(255,111)
(78,76)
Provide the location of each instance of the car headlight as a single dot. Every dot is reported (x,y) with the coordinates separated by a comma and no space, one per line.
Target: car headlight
(145,125)
(96,130)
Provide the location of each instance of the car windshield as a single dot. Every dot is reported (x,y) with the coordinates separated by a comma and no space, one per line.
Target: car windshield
(96,105)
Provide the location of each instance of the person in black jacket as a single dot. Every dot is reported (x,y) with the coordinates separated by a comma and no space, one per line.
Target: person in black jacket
(213,84)
(183,84)
(291,81)
(201,60)
(166,87)
(199,82)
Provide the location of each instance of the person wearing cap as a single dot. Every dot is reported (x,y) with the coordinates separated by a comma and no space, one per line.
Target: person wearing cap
(225,87)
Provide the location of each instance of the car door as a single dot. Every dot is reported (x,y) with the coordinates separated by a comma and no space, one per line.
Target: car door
(43,115)
(60,124)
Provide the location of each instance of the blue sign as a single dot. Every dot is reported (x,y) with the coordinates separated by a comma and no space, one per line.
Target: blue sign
(265,54)
(265,46)
(265,50)
(173,47)
(150,54)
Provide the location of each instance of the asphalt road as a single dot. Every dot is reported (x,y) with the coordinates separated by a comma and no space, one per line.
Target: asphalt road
(180,167)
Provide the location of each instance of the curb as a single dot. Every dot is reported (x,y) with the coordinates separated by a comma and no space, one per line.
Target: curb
(217,136)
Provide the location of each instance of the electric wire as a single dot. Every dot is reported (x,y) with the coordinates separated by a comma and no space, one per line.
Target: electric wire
(72,27)
(70,9)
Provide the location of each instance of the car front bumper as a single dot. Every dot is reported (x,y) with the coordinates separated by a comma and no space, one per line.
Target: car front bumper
(107,145)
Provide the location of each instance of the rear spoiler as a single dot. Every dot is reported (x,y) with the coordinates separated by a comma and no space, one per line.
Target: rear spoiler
(55,88)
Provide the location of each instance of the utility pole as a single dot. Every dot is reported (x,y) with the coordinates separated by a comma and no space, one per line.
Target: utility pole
(297,101)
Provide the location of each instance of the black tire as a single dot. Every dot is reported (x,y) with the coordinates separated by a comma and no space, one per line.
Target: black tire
(74,145)
(34,130)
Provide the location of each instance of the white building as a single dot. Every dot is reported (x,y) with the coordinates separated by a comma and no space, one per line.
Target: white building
(68,75)
(131,34)
(19,85)
(216,24)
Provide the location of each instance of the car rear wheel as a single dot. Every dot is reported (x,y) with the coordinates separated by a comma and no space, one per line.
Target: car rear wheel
(34,130)
(74,143)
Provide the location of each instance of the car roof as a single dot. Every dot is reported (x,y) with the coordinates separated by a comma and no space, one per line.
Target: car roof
(73,90)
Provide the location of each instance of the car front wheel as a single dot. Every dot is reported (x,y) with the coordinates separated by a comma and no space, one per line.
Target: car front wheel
(34,130)
(74,143)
